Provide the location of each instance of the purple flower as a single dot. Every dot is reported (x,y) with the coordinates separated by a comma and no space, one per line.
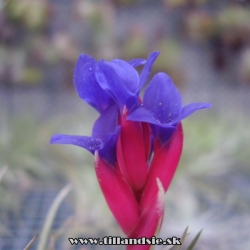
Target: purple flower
(107,87)
(162,107)
(121,81)
(132,179)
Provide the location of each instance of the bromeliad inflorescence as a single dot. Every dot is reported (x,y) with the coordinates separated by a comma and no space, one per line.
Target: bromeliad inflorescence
(137,142)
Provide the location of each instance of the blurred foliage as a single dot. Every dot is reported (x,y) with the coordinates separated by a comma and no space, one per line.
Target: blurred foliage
(22,146)
(234,17)
(34,43)
(244,67)
(44,237)
(214,141)
(226,34)
(183,3)
(124,3)
(135,45)
(23,150)
(31,14)
(200,26)
(169,61)
(232,22)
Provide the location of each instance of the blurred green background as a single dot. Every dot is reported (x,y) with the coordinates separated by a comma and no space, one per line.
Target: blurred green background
(205,48)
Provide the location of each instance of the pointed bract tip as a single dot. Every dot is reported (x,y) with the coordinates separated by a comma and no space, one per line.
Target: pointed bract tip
(160,186)
(125,110)
(96,158)
(161,192)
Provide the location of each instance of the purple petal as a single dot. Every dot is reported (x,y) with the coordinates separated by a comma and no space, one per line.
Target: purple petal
(119,79)
(162,98)
(163,133)
(190,109)
(84,58)
(86,85)
(143,115)
(137,62)
(106,123)
(147,68)
(132,103)
(87,142)
(108,152)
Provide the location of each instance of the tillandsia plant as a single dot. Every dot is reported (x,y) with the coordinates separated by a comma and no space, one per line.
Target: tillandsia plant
(137,143)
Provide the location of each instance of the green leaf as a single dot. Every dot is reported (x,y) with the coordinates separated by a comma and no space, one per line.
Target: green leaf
(183,237)
(51,216)
(194,241)
(3,171)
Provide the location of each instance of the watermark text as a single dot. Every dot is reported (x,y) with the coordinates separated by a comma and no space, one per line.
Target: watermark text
(115,240)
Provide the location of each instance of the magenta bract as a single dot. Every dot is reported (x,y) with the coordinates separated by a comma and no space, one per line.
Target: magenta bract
(163,166)
(131,152)
(118,195)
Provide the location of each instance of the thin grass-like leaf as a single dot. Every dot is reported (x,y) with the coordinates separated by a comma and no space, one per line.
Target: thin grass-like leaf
(51,216)
(3,171)
(183,237)
(194,241)
(31,243)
